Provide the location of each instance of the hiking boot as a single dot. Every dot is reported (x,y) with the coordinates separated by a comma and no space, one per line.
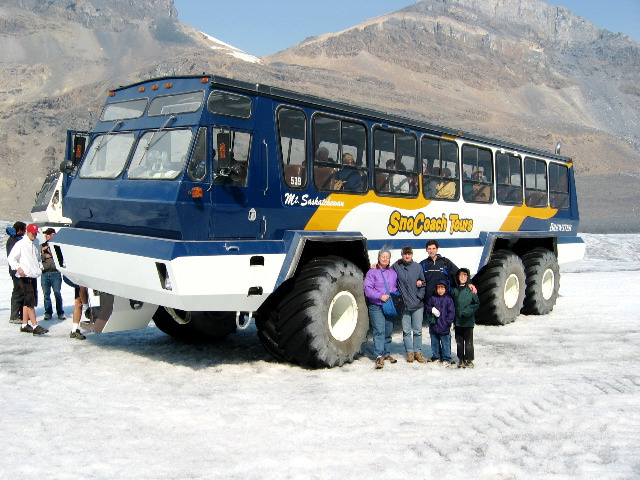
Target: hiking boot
(47,316)
(390,359)
(410,357)
(461,364)
(26,328)
(39,330)
(419,358)
(469,364)
(379,362)
(77,335)
(431,360)
(62,317)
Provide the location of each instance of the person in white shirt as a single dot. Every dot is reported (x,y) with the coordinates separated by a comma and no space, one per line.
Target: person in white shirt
(25,259)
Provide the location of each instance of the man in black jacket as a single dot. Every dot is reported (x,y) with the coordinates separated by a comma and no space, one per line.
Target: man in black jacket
(51,279)
(17,297)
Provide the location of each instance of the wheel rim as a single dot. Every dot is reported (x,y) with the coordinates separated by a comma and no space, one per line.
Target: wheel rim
(511,290)
(343,316)
(548,284)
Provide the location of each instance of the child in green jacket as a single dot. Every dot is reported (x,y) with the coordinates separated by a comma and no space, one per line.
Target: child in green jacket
(466,303)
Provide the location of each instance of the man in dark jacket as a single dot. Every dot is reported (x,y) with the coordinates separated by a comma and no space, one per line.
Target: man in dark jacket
(411,286)
(17,297)
(438,268)
(51,279)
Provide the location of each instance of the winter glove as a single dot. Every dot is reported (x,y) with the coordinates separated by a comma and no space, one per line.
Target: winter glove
(435,311)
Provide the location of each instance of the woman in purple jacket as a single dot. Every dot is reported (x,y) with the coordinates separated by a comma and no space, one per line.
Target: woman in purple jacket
(376,292)
(441,313)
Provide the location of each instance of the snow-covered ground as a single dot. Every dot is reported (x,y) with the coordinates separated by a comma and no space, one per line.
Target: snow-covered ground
(555,397)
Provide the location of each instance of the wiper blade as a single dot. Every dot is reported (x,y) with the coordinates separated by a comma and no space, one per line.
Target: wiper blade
(117,125)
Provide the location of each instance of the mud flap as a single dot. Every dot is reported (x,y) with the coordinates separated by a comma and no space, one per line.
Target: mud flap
(117,314)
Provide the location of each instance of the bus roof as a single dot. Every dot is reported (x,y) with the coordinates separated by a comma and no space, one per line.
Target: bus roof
(307,100)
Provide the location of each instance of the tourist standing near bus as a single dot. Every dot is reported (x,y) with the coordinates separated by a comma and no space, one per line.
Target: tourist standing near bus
(379,281)
(26,261)
(441,314)
(466,303)
(51,279)
(17,297)
(411,286)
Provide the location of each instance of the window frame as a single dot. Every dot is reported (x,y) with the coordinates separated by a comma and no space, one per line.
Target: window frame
(383,175)
(226,114)
(332,168)
(174,95)
(531,193)
(288,180)
(473,189)
(554,193)
(90,156)
(158,175)
(509,193)
(433,185)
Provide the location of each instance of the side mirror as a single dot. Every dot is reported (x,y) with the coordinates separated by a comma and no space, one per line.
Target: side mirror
(67,167)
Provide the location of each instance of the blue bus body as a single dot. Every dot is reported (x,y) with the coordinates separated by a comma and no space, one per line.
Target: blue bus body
(204,194)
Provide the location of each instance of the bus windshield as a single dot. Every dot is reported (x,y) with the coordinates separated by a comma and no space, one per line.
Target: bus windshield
(107,155)
(160,154)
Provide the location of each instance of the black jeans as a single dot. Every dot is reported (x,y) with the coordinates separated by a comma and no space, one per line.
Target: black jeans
(464,343)
(17,299)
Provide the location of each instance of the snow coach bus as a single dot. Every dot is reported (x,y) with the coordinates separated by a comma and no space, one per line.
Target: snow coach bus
(203,202)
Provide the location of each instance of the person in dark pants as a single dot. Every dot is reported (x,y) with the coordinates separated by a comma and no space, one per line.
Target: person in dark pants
(441,314)
(26,261)
(51,279)
(17,297)
(411,286)
(466,303)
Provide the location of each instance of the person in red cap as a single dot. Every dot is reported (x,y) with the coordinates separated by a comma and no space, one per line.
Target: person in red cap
(26,261)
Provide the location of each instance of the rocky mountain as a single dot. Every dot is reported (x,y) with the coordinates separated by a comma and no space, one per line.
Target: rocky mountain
(522,70)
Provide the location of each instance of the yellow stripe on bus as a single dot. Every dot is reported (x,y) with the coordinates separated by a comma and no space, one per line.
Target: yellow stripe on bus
(518,215)
(329,217)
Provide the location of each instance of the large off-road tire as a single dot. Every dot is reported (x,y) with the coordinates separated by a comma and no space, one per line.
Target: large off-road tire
(543,281)
(266,321)
(501,287)
(200,326)
(321,320)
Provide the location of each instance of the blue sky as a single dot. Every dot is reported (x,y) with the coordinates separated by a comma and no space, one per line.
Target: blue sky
(263,27)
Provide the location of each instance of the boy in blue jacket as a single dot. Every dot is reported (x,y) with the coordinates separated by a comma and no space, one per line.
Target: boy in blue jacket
(441,314)
(466,303)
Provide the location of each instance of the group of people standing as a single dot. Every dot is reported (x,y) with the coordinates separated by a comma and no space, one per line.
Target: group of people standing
(29,260)
(435,291)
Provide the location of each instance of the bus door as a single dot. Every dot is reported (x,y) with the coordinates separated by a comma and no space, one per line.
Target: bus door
(238,184)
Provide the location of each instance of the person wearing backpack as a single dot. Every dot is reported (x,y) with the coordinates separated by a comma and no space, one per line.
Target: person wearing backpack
(379,282)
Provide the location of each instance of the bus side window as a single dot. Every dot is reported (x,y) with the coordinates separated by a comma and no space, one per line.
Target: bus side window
(293,147)
(477,171)
(558,186)
(440,172)
(535,182)
(395,162)
(340,161)
(509,179)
